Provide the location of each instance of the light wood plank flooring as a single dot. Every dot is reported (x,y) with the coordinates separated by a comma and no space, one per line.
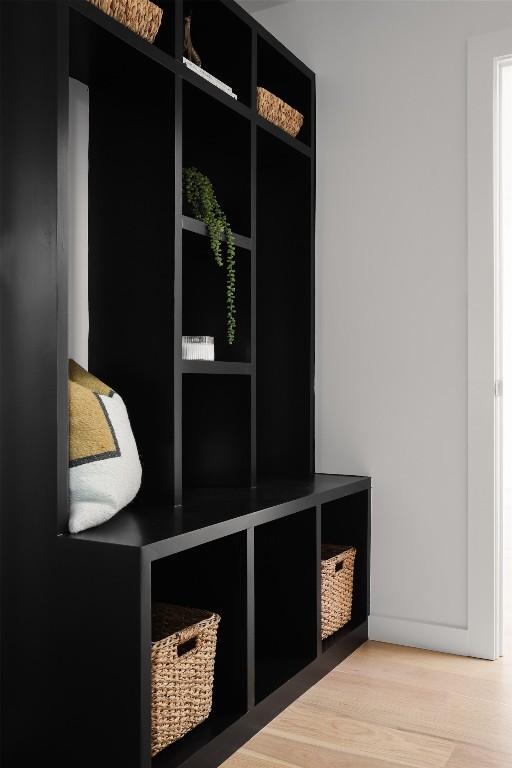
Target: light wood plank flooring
(387,706)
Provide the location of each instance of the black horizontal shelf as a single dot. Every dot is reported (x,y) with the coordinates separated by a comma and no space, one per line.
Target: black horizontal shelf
(216,367)
(193,225)
(283,136)
(208,514)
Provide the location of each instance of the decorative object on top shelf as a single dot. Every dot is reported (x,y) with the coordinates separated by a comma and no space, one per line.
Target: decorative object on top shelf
(104,465)
(193,62)
(184,643)
(201,197)
(141,16)
(197,348)
(278,112)
(209,78)
(188,49)
(337,587)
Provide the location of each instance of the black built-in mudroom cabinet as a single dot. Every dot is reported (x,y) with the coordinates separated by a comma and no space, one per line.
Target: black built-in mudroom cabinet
(231,515)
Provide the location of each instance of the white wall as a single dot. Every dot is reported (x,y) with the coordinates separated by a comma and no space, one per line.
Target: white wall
(506,148)
(391,286)
(78,203)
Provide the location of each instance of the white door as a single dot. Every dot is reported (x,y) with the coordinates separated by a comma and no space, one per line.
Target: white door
(488,56)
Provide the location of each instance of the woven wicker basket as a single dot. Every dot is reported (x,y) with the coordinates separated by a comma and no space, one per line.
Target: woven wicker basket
(337,587)
(141,16)
(277,111)
(182,661)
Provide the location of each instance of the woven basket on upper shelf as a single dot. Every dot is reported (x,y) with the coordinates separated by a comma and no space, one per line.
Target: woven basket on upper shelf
(182,662)
(141,16)
(277,111)
(337,587)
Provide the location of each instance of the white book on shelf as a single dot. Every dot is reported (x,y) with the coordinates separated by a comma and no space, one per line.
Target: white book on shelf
(209,78)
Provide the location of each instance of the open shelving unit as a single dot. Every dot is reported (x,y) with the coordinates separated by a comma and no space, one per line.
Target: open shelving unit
(231,515)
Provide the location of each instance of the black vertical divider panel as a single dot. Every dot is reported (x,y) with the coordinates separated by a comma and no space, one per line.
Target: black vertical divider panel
(178,299)
(284,316)
(254,250)
(251,659)
(318,542)
(131,237)
(178,257)
(32,286)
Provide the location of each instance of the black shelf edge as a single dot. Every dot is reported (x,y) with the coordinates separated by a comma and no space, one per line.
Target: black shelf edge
(117,29)
(209,514)
(193,225)
(238,733)
(296,144)
(216,367)
(211,90)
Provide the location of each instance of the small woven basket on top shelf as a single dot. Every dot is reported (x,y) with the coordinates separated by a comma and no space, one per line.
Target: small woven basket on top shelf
(277,111)
(141,16)
(182,663)
(337,587)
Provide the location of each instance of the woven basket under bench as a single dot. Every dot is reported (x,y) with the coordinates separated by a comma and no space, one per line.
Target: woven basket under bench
(182,663)
(141,16)
(337,587)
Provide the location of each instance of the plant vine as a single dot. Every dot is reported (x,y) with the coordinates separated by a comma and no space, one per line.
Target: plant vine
(201,197)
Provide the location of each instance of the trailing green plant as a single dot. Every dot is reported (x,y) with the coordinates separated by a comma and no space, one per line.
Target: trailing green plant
(201,197)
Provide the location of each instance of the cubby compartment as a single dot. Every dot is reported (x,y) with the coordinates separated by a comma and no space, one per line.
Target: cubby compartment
(164,39)
(285,599)
(284,337)
(284,79)
(217,141)
(204,298)
(130,194)
(210,577)
(223,42)
(345,521)
(216,430)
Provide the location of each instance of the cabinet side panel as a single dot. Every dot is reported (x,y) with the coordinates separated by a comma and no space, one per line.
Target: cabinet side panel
(104,655)
(30,285)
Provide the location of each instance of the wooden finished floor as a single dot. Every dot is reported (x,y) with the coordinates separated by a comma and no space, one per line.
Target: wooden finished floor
(387,706)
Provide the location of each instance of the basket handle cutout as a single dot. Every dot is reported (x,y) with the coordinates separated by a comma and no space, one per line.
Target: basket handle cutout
(338,566)
(186,646)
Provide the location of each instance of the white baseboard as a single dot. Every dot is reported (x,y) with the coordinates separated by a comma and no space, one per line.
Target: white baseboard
(418,634)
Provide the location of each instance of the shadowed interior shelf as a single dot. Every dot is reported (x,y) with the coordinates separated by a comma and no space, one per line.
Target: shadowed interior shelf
(217,366)
(193,225)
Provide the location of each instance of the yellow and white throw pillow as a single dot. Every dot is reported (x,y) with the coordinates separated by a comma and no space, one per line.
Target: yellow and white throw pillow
(104,465)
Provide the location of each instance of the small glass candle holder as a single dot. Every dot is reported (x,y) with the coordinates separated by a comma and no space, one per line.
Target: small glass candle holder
(197,348)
